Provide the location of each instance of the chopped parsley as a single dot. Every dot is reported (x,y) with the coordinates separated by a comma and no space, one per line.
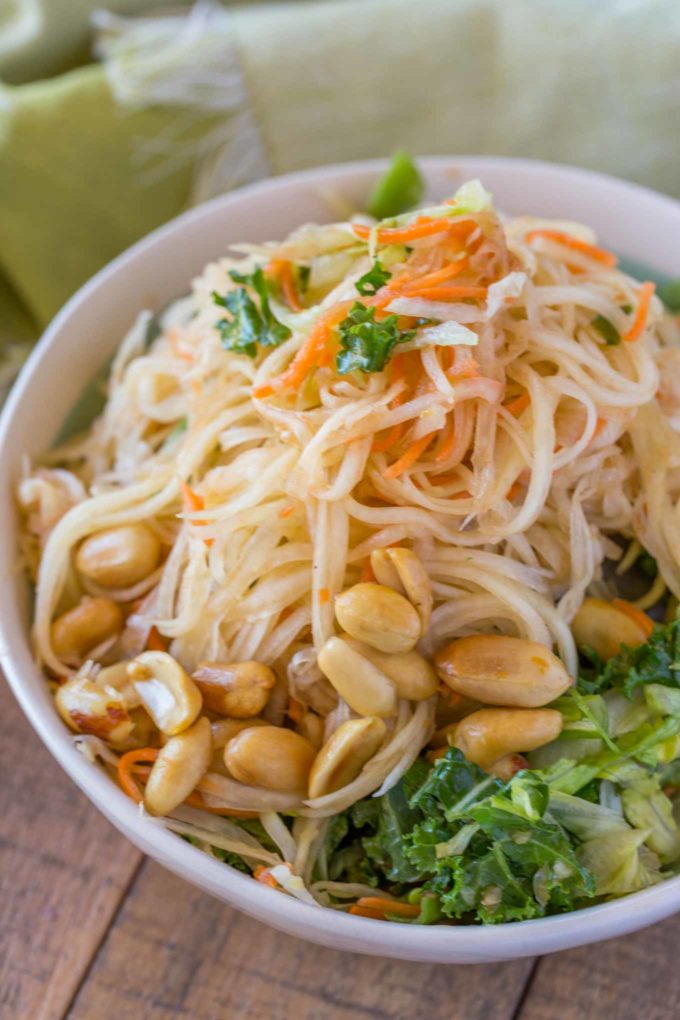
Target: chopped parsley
(367,345)
(371,282)
(249,324)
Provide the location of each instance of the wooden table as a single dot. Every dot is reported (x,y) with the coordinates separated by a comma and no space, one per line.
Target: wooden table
(92,930)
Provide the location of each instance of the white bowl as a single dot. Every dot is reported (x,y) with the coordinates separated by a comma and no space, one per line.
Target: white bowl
(635,222)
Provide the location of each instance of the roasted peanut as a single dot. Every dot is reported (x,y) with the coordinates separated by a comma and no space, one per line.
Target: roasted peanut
(170,697)
(271,757)
(87,625)
(180,765)
(119,557)
(223,730)
(402,570)
(493,733)
(380,616)
(342,758)
(116,677)
(411,674)
(145,732)
(500,670)
(87,707)
(604,627)
(363,686)
(238,690)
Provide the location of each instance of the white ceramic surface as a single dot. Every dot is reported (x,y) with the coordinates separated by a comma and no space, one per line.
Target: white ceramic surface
(635,222)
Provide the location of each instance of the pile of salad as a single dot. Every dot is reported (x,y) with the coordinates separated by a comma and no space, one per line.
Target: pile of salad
(594,817)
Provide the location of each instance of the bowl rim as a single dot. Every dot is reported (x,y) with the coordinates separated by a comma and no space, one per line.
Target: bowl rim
(437,943)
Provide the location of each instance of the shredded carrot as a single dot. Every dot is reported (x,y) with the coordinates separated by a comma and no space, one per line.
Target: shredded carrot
(263,875)
(422,227)
(194,501)
(434,755)
(295,710)
(375,915)
(642,312)
(519,404)
(155,642)
(385,906)
(599,425)
(406,283)
(410,456)
(643,621)
(514,490)
(445,293)
(392,436)
(282,270)
(597,254)
(286,511)
(468,370)
(126,765)
(308,356)
(367,570)
(324,596)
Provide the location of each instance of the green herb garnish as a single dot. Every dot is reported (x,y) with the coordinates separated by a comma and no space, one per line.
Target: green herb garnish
(607,331)
(249,325)
(398,190)
(670,294)
(371,282)
(304,272)
(367,345)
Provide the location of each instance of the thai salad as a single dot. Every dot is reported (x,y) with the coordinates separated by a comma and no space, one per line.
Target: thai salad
(364,580)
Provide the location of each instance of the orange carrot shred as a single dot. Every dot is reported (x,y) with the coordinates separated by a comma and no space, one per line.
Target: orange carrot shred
(519,404)
(155,642)
(324,595)
(642,312)
(391,437)
(126,764)
(422,227)
(643,621)
(367,570)
(286,511)
(282,270)
(607,258)
(263,875)
(308,356)
(295,710)
(385,906)
(406,283)
(194,501)
(448,293)
(410,456)
(357,911)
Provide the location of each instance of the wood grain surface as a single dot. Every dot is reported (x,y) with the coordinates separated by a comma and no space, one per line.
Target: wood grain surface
(91,931)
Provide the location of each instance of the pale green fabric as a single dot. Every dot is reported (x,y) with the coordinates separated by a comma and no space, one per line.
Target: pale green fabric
(43,37)
(595,85)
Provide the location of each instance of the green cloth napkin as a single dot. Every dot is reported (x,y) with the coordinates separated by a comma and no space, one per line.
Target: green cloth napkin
(187,105)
